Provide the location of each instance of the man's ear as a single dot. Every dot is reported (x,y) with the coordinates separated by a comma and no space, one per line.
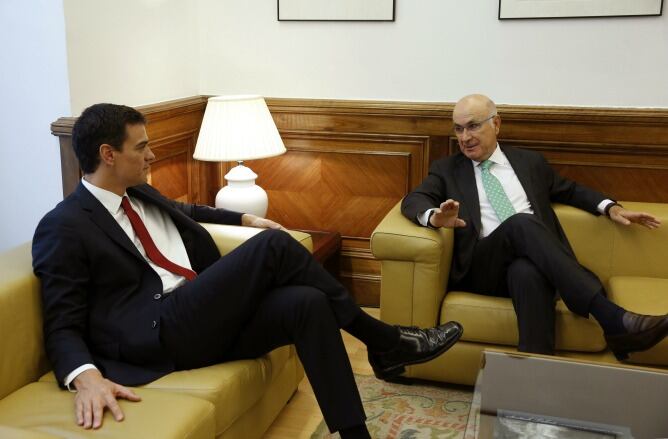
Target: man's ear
(497,123)
(107,154)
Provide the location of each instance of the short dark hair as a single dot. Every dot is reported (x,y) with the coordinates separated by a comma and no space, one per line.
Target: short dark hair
(99,124)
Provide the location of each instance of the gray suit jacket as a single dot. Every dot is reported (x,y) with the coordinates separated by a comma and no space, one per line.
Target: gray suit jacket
(453,177)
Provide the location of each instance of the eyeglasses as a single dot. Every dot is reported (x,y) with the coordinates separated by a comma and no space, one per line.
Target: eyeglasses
(471,127)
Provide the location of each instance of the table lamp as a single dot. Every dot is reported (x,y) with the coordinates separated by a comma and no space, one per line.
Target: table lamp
(238,128)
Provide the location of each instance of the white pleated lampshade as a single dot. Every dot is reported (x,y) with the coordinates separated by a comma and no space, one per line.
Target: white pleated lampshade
(237,128)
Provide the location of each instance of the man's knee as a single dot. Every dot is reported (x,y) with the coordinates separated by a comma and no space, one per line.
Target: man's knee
(525,229)
(522,221)
(279,238)
(523,268)
(274,234)
(309,299)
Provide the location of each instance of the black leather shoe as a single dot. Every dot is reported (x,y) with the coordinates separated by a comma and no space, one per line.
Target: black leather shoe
(642,332)
(415,346)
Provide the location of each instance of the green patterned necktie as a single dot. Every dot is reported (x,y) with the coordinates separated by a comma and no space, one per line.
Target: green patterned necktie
(495,194)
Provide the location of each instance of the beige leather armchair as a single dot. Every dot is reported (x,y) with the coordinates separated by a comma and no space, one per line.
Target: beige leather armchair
(415,264)
(239,399)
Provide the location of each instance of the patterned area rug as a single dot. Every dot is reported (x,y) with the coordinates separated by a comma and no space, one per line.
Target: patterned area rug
(418,411)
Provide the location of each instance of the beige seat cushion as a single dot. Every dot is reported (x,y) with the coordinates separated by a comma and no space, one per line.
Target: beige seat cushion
(232,387)
(20,433)
(492,320)
(43,408)
(644,295)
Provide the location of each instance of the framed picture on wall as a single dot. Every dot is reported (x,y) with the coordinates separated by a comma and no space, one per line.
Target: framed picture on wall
(336,10)
(513,9)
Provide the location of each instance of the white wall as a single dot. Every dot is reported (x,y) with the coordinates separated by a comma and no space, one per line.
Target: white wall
(436,50)
(130,52)
(144,51)
(34,93)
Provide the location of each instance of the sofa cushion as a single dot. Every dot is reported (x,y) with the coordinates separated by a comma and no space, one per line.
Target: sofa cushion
(44,408)
(20,433)
(488,319)
(644,295)
(233,387)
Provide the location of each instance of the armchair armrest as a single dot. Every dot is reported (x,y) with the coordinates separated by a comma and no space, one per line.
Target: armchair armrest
(227,238)
(415,265)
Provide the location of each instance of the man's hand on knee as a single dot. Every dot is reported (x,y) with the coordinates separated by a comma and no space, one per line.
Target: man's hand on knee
(251,220)
(94,393)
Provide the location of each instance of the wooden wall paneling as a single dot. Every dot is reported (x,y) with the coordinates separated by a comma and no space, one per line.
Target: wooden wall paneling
(348,161)
(362,117)
(356,142)
(172,172)
(622,172)
(343,182)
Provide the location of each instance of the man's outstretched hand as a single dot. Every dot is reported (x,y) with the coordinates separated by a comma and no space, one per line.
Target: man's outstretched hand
(94,393)
(447,215)
(626,217)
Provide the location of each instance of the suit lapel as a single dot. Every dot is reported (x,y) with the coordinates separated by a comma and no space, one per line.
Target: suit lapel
(465,178)
(101,217)
(523,172)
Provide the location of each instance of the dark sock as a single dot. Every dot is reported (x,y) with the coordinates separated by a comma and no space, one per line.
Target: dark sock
(376,335)
(608,315)
(356,432)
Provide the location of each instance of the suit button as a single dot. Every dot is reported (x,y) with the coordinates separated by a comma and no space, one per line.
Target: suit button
(154,324)
(157,296)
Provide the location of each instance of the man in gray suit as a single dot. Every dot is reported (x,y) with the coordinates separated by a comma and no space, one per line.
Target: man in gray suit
(508,240)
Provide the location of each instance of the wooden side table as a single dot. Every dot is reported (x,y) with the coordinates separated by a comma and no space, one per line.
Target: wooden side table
(326,247)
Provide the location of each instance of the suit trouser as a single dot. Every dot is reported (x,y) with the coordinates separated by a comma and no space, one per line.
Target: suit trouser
(268,292)
(524,260)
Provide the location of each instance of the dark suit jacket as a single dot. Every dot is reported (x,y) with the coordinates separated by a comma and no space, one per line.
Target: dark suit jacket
(97,289)
(453,177)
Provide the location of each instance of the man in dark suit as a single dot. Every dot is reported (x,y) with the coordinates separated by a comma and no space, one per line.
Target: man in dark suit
(134,288)
(508,240)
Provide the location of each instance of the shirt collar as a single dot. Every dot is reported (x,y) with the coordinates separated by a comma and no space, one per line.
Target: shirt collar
(110,200)
(497,157)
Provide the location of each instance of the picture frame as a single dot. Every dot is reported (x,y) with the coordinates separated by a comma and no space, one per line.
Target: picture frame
(522,9)
(335,10)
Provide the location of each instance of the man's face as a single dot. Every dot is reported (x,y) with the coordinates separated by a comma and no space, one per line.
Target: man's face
(476,129)
(133,161)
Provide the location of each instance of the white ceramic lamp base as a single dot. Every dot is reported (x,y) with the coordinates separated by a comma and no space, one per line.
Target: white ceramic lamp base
(241,193)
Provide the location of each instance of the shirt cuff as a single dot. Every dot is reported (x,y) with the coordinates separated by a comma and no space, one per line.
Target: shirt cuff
(602,205)
(423,218)
(75,373)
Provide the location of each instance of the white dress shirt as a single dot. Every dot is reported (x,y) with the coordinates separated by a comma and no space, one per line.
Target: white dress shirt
(505,173)
(163,231)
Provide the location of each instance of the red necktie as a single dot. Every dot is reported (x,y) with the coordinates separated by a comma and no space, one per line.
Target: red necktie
(151,250)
